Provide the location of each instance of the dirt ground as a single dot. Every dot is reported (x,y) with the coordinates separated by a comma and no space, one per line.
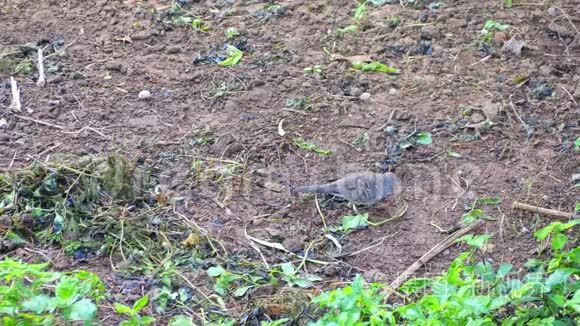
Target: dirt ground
(447,86)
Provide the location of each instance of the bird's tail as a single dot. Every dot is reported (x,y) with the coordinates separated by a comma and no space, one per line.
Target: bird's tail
(320,189)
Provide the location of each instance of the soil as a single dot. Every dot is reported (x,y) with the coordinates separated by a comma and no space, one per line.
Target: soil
(447,83)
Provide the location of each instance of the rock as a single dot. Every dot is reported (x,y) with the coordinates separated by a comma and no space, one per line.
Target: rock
(173,49)
(456,23)
(393,91)
(275,187)
(429,32)
(490,110)
(142,35)
(365,97)
(514,47)
(144,95)
(477,117)
(545,70)
(117,66)
(552,11)
(3,123)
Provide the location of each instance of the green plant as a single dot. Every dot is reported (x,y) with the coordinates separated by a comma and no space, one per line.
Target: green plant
(232,32)
(355,304)
(360,10)
(577,145)
(234,57)
(198,25)
(291,276)
(181,321)
(133,312)
(314,70)
(374,67)
(470,293)
(490,28)
(303,144)
(29,295)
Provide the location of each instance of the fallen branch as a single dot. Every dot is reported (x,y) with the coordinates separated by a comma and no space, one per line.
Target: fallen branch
(16,104)
(41,82)
(401,279)
(545,211)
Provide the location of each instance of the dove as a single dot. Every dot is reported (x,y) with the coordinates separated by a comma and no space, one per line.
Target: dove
(362,188)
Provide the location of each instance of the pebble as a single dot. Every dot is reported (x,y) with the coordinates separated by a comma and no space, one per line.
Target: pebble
(429,32)
(144,94)
(365,96)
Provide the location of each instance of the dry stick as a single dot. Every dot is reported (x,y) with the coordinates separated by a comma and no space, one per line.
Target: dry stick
(253,245)
(545,211)
(16,104)
(430,254)
(41,76)
(388,120)
(319,211)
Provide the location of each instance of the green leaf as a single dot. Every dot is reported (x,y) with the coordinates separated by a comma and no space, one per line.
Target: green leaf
(215,271)
(485,271)
(355,222)
(471,216)
(303,282)
(544,232)
(123,309)
(234,57)
(301,143)
(147,320)
(488,201)
(577,207)
(559,241)
(66,289)
(38,304)
(139,304)
(232,32)
(81,310)
(424,138)
(477,241)
(181,321)
(241,291)
(414,285)
(503,270)
(453,154)
(559,276)
(577,145)
(288,268)
(508,3)
(374,67)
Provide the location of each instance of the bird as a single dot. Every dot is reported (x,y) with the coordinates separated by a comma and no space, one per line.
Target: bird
(362,188)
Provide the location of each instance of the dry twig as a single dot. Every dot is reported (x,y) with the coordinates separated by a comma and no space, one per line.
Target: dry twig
(41,82)
(401,279)
(545,211)
(16,104)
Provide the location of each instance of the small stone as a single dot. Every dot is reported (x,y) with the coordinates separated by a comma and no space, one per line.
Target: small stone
(275,187)
(477,117)
(365,96)
(142,35)
(3,123)
(393,91)
(173,49)
(117,66)
(490,110)
(144,94)
(446,252)
(429,32)
(54,103)
(552,11)
(514,47)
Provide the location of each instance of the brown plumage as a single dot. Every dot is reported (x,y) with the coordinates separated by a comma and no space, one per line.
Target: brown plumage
(362,188)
